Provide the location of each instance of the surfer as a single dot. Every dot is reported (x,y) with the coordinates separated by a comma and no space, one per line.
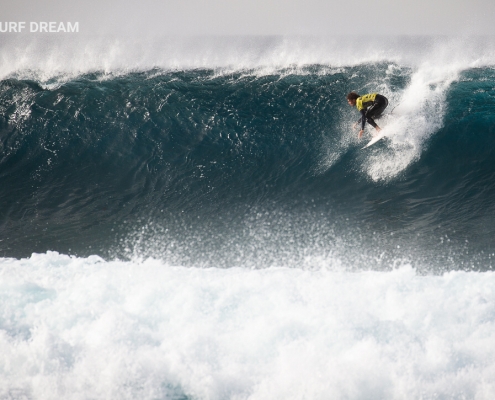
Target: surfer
(370,106)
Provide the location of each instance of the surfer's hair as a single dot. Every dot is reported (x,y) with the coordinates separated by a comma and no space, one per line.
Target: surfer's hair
(352,96)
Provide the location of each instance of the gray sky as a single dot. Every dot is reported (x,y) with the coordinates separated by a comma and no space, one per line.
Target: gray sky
(261,17)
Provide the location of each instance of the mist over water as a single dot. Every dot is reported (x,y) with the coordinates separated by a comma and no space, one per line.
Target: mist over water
(47,57)
(195,218)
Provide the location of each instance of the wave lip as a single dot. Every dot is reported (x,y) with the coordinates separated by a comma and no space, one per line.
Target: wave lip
(64,57)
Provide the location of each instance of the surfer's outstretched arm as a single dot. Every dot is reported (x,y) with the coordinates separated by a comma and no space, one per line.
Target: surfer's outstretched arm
(362,121)
(356,124)
(363,118)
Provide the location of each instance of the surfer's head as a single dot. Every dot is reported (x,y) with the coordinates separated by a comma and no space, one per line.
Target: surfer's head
(351,98)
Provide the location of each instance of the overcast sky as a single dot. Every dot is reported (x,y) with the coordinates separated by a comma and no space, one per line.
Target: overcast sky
(261,17)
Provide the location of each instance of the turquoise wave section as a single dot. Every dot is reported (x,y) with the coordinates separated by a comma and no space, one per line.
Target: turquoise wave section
(208,168)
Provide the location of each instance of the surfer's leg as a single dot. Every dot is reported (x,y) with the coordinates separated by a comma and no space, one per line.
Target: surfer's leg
(376,110)
(382,103)
(371,121)
(372,112)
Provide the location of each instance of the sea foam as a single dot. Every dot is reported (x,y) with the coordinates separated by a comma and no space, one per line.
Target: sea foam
(81,328)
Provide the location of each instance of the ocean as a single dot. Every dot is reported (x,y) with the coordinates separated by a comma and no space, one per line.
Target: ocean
(196,218)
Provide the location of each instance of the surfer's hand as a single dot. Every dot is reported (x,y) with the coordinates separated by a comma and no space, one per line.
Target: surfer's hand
(378,129)
(360,133)
(354,125)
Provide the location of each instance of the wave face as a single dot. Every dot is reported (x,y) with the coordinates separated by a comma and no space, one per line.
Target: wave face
(211,228)
(223,167)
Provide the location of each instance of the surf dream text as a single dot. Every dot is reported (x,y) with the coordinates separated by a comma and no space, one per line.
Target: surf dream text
(39,27)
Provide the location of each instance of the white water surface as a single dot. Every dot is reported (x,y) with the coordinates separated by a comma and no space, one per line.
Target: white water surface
(84,328)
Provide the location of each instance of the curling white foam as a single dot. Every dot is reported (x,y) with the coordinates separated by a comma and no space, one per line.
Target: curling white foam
(431,65)
(420,108)
(78,328)
(419,114)
(57,57)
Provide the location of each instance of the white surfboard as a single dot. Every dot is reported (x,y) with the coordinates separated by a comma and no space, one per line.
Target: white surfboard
(376,138)
(385,120)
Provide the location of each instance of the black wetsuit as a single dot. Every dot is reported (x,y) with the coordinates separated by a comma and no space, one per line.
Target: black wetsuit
(371,106)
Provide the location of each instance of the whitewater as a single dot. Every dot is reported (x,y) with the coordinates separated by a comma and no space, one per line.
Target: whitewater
(194,218)
(86,328)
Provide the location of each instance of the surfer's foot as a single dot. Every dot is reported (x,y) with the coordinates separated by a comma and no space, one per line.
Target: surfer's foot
(374,134)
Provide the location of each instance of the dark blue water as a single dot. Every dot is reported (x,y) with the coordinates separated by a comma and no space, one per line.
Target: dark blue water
(208,169)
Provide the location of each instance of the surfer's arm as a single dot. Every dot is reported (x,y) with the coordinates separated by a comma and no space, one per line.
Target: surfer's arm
(362,119)
(356,124)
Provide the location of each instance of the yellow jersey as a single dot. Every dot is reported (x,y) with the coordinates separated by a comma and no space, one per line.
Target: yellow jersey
(365,101)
